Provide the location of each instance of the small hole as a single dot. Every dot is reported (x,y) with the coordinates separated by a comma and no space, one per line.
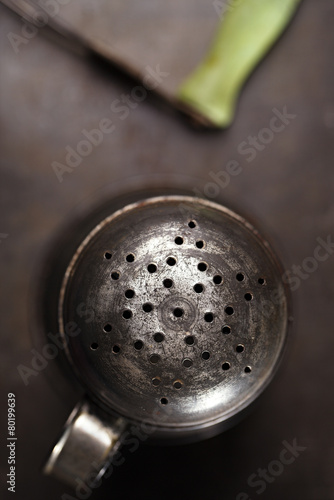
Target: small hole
(189,340)
(262,281)
(248,369)
(187,363)
(154,358)
(115,275)
(205,355)
(200,244)
(164,401)
(116,349)
(240,277)
(217,279)
(129,294)
(192,224)
(171,261)
(138,345)
(147,307)
(240,348)
(177,384)
(168,283)
(178,312)
(130,257)
(127,314)
(208,317)
(158,337)
(229,310)
(156,381)
(178,240)
(151,268)
(107,328)
(226,366)
(107,255)
(202,266)
(94,346)
(248,296)
(198,288)
(226,329)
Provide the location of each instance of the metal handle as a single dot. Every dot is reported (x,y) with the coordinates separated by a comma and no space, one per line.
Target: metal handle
(86,447)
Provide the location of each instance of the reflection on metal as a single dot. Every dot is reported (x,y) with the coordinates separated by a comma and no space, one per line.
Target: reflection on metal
(85,447)
(187,321)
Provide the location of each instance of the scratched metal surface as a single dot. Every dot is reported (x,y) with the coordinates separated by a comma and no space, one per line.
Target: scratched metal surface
(189,322)
(48,96)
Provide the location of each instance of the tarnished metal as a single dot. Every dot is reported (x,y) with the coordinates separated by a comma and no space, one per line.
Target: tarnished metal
(187,310)
(86,446)
(174,316)
(48,97)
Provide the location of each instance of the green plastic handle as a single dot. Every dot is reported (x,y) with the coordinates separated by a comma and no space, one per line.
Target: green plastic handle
(247,32)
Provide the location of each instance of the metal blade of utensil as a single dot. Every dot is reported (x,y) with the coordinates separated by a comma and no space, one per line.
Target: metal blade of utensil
(195,58)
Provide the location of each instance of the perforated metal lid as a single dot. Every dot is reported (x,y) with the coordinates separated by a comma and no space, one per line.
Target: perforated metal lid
(179,303)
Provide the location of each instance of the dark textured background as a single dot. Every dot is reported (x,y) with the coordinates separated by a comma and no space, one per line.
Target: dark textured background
(48,95)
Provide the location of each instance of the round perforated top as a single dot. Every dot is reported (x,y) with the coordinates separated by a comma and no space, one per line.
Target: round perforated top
(174,302)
